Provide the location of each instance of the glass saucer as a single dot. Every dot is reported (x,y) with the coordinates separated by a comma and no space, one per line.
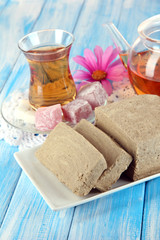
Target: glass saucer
(17,112)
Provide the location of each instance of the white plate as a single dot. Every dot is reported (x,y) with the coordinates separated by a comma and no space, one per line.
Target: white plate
(56,195)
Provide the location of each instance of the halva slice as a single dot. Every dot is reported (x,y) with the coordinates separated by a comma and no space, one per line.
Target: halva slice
(75,161)
(134,124)
(117,159)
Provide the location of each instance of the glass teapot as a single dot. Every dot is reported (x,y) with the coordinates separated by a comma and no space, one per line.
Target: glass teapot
(142,59)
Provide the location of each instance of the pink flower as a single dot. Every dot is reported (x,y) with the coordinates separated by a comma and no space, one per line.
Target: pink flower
(100,67)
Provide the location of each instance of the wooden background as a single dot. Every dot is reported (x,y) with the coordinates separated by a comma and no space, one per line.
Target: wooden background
(130,214)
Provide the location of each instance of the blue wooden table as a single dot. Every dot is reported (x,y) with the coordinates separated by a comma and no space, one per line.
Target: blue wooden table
(133,213)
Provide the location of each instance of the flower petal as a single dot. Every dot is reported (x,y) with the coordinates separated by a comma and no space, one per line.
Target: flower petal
(117,62)
(114,55)
(90,57)
(106,56)
(99,53)
(115,78)
(111,58)
(82,61)
(107,86)
(118,69)
(116,73)
(81,74)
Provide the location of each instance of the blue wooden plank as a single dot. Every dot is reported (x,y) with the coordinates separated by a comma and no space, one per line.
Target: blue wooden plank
(59,14)
(89,30)
(12,27)
(117,216)
(3,4)
(16,19)
(133,13)
(9,175)
(121,212)
(29,217)
(151,217)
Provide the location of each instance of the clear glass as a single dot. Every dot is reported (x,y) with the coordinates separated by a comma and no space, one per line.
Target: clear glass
(142,59)
(45,81)
(47,53)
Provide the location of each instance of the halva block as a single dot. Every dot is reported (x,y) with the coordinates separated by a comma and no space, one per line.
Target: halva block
(134,123)
(69,156)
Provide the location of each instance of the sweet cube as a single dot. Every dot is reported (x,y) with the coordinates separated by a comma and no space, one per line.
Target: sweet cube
(76,110)
(94,93)
(46,118)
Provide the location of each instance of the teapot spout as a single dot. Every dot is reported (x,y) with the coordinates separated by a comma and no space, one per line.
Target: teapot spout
(119,41)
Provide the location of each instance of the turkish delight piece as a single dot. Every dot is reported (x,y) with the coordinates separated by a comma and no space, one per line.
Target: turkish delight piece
(94,93)
(76,110)
(46,118)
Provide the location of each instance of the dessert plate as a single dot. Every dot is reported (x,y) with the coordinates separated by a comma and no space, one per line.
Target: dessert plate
(56,195)
(17,112)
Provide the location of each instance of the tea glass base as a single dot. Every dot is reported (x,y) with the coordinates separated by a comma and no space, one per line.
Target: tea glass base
(22,116)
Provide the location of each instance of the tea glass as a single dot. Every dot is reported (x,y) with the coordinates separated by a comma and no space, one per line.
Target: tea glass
(47,52)
(49,81)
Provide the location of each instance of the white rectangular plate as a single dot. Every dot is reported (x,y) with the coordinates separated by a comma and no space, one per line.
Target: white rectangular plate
(56,195)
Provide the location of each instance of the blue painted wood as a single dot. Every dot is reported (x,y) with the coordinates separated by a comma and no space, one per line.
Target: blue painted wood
(17,19)
(9,176)
(29,217)
(3,4)
(89,30)
(117,216)
(23,212)
(151,217)
(59,14)
(133,13)
(13,25)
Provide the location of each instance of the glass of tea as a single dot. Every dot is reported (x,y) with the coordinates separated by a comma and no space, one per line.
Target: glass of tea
(47,52)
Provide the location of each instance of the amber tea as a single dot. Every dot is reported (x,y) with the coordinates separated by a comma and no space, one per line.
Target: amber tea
(144,71)
(51,80)
(124,57)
